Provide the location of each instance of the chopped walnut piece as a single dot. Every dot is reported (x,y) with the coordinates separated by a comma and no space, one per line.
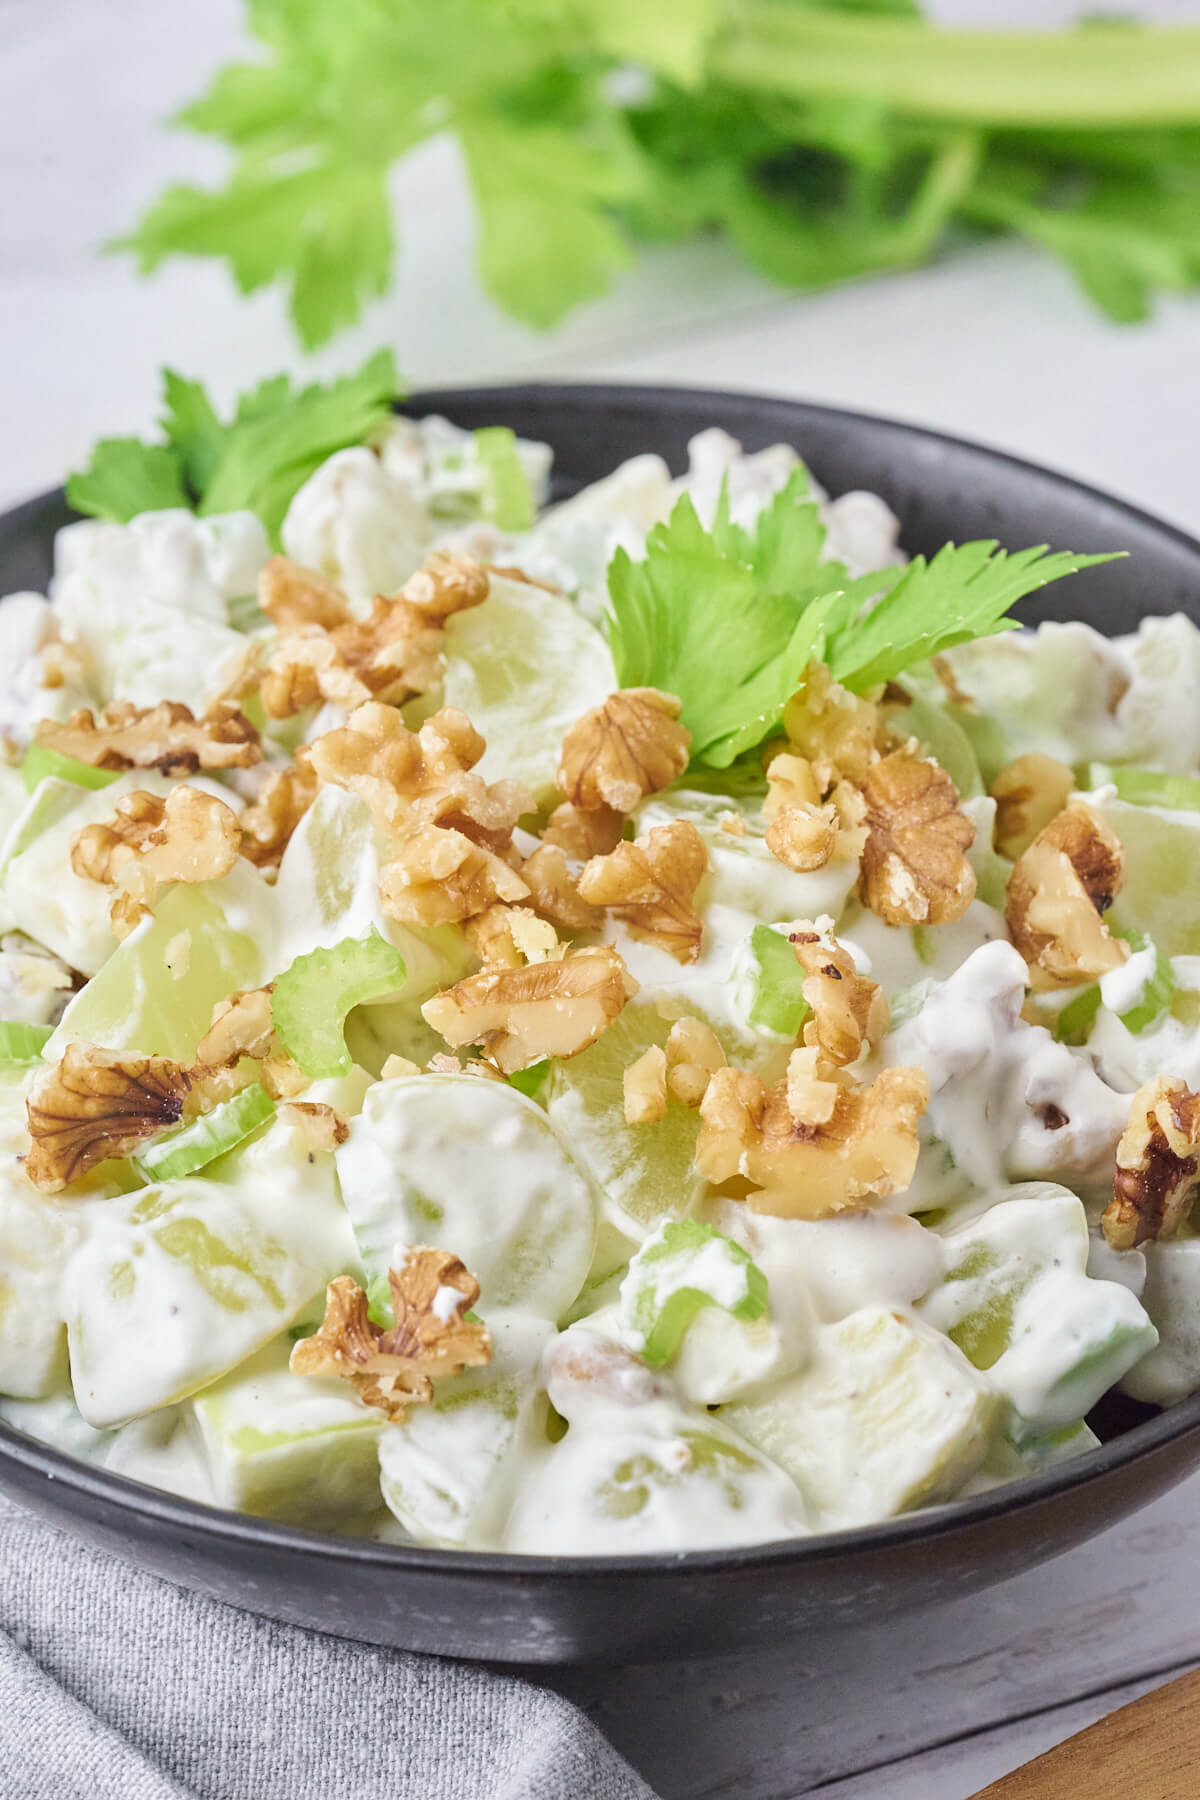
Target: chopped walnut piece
(408,777)
(651,885)
(168,737)
(508,937)
(447,582)
(241,1026)
(325,653)
(835,731)
(1028,794)
(292,596)
(914,865)
(189,836)
(693,1055)
(790,782)
(645,1088)
(268,822)
(808,1151)
(1157,1165)
(583,834)
(519,1016)
(851,808)
(1057,892)
(303,668)
(848,1009)
(97,1104)
(321,1127)
(618,753)
(393,1369)
(803,837)
(438,877)
(554,891)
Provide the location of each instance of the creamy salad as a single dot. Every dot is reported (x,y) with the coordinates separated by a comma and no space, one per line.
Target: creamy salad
(631,1024)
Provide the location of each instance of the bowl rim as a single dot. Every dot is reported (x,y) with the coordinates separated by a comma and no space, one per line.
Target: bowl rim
(159,1506)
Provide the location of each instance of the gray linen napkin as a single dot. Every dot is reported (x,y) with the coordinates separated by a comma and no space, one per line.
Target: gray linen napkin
(117,1686)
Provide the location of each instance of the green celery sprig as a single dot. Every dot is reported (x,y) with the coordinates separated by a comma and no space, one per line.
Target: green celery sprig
(255,461)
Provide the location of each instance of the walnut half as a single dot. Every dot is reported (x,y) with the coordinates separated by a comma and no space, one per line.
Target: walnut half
(618,753)
(1058,891)
(189,836)
(914,865)
(815,1143)
(651,887)
(1158,1165)
(393,1369)
(519,1016)
(168,737)
(97,1104)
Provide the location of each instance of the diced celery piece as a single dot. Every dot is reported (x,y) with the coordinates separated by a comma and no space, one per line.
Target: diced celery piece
(888,1416)
(39,763)
(507,496)
(524,667)
(312,997)
(194,1146)
(645,1174)
(290,1447)
(533,1081)
(178,1283)
(1017,1300)
(1159,991)
(477,1168)
(773,978)
(157,991)
(21,1045)
(1148,787)
(449,1471)
(1073,1023)
(683,1267)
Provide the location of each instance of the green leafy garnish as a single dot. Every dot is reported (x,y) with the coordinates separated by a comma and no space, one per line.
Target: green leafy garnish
(823,140)
(1148,787)
(507,495)
(727,619)
(38,764)
(674,1275)
(178,1153)
(21,1045)
(310,1001)
(255,461)
(929,607)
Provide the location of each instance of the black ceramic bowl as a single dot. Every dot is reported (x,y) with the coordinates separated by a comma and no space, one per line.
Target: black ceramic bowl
(567,1609)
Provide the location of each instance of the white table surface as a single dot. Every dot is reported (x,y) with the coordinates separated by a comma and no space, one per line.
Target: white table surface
(996,346)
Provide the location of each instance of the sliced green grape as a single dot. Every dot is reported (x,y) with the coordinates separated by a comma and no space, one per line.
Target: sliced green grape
(686,1266)
(196,1145)
(774,978)
(39,763)
(507,496)
(21,1045)
(312,997)
(524,667)
(1148,787)
(646,1172)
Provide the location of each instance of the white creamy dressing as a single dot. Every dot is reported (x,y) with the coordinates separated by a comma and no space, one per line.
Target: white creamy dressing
(1006,1099)
(1123,988)
(358,525)
(472,1164)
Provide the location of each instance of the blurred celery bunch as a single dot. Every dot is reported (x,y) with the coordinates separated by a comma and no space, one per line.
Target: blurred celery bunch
(826,141)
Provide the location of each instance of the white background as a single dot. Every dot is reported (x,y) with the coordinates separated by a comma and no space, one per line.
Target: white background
(997,346)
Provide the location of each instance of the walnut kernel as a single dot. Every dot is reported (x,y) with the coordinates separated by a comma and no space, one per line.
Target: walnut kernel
(618,753)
